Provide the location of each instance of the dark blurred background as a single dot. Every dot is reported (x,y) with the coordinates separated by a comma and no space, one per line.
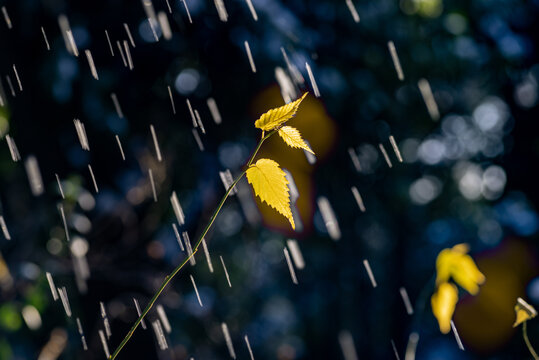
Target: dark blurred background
(470,176)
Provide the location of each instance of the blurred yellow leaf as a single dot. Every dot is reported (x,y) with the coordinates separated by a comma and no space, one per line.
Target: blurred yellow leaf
(443,303)
(457,264)
(524,312)
(270,185)
(278,116)
(292,138)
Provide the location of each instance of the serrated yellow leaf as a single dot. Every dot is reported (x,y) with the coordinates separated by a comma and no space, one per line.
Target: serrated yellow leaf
(292,138)
(278,116)
(270,185)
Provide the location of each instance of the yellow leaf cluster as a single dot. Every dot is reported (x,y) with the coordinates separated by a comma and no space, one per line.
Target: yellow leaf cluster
(278,116)
(455,264)
(271,186)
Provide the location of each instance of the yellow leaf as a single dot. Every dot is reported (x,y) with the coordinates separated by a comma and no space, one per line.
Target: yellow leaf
(278,116)
(524,312)
(270,185)
(292,138)
(457,264)
(443,304)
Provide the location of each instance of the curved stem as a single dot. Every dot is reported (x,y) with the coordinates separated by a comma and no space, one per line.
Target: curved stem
(527,341)
(169,277)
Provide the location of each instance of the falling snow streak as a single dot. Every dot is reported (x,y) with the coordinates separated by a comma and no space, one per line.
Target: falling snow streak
(295,251)
(290,267)
(178,211)
(34,176)
(187,242)
(6,18)
(151,22)
(164,319)
(177,234)
(72,44)
(82,337)
(128,55)
(171,100)
(359,199)
(207,255)
(369,272)
(93,178)
(45,38)
(13,150)
(169,8)
(252,9)
(17,77)
(117,105)
(198,139)
(156,144)
(353,10)
(313,81)
(120,146)
(152,183)
(4,228)
(406,300)
(196,290)
(164,24)
(52,286)
(65,301)
(91,64)
(191,113)
(386,157)
(159,335)
(121,50)
(221,10)
(81,134)
(250,56)
(426,92)
(395,350)
(457,337)
(105,320)
(395,148)
(187,11)
(226,271)
(199,122)
(129,36)
(214,111)
(355,159)
(347,345)
(249,347)
(63,215)
(228,340)
(227,180)
(329,218)
(10,85)
(296,75)
(104,343)
(396,61)
(108,41)
(139,313)
(413,339)
(60,186)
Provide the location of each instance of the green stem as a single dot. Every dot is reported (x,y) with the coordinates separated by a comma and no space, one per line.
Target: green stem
(527,341)
(170,276)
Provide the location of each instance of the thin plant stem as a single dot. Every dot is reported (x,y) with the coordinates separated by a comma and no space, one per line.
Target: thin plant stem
(527,341)
(174,272)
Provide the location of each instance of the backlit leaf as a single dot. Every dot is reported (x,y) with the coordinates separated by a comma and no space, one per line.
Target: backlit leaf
(292,138)
(278,116)
(270,185)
